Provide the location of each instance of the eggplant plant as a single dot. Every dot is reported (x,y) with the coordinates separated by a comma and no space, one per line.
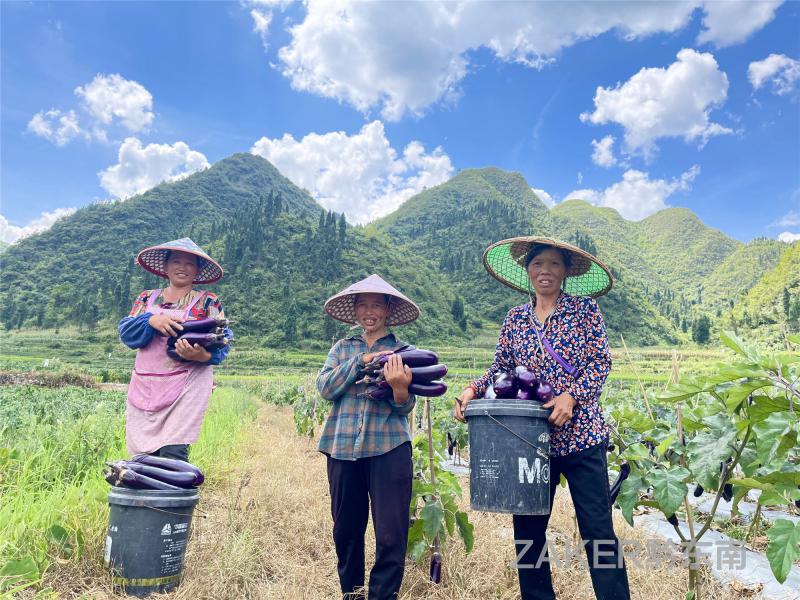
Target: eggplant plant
(741,419)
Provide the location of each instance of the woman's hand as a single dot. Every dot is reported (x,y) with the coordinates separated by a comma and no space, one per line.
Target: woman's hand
(368,358)
(461,404)
(398,376)
(192,352)
(562,406)
(165,325)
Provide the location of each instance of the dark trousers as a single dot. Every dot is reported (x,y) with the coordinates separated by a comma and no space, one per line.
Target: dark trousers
(587,475)
(176,451)
(385,482)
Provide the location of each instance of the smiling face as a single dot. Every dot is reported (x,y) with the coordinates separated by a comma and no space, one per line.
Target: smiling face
(181,268)
(371,312)
(547,271)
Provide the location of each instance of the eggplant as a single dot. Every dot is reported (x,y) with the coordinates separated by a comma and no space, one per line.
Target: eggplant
(624,471)
(202,325)
(526,379)
(375,392)
(123,477)
(505,386)
(204,339)
(170,464)
(413,358)
(727,492)
(436,567)
(524,393)
(698,491)
(429,373)
(610,448)
(490,394)
(544,392)
(672,520)
(182,479)
(173,354)
(430,389)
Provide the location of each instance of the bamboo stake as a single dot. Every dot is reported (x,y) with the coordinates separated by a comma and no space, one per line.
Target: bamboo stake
(636,372)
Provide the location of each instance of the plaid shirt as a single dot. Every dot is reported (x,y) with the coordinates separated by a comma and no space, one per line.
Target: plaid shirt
(358,427)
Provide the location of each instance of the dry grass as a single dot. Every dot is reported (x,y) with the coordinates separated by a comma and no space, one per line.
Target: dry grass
(267,535)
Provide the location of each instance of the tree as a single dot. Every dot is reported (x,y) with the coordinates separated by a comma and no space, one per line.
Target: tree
(787,302)
(290,326)
(701,329)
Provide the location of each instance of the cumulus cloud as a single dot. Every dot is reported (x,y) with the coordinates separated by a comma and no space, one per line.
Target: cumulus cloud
(603,153)
(790,219)
(109,97)
(637,196)
(360,175)
(11,233)
(672,102)
(789,237)
(106,100)
(733,21)
(779,70)
(348,50)
(548,200)
(143,167)
(55,126)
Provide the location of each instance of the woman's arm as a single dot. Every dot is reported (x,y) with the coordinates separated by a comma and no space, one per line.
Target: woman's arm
(503,358)
(597,363)
(218,355)
(135,332)
(339,372)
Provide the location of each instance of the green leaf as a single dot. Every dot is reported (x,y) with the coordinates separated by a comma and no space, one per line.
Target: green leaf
(636,453)
(770,435)
(629,496)
(669,487)
(465,530)
(708,449)
(784,547)
(763,406)
(417,550)
(732,341)
(738,392)
(432,516)
(662,447)
(18,571)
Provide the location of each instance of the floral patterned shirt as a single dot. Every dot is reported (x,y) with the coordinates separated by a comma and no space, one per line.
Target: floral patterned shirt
(577,333)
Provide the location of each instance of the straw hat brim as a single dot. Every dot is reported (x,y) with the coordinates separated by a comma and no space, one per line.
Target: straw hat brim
(342,305)
(505,261)
(154,260)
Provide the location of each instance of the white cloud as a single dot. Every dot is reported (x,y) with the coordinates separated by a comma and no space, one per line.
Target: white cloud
(546,198)
(790,219)
(55,126)
(11,233)
(733,21)
(671,102)
(143,167)
(603,153)
(108,97)
(637,196)
(403,57)
(780,70)
(360,175)
(789,237)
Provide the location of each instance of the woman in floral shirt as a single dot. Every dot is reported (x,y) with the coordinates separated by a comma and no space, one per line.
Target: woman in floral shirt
(561,338)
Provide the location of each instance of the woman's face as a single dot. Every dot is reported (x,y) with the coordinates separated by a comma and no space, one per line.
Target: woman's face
(181,268)
(546,272)
(371,312)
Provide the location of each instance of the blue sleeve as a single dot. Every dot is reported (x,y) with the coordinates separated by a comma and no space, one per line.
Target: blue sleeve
(220,354)
(135,332)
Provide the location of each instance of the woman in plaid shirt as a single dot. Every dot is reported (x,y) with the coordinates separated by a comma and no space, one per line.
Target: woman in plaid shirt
(368,442)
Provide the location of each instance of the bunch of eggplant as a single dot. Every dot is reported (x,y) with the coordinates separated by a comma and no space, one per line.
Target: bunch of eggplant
(146,472)
(521,384)
(209,333)
(426,374)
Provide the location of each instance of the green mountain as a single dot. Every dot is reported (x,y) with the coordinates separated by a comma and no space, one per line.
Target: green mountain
(4,246)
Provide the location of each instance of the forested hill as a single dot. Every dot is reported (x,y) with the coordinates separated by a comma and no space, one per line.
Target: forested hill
(283,255)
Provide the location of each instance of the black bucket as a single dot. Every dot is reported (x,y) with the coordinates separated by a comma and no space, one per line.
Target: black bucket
(147,535)
(509,456)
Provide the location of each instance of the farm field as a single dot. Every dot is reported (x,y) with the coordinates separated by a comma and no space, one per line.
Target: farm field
(262,528)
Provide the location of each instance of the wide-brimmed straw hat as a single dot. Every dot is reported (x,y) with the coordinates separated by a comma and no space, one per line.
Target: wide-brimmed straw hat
(154,259)
(586,276)
(342,305)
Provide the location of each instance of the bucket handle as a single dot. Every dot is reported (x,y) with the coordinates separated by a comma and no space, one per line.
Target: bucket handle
(515,434)
(196,511)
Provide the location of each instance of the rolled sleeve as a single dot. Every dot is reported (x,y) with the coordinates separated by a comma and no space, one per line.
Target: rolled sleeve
(136,332)
(405,408)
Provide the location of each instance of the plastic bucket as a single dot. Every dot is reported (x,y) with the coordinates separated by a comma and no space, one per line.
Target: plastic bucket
(509,456)
(148,531)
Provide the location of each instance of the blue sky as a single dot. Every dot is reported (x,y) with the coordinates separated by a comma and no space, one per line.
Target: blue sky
(633,106)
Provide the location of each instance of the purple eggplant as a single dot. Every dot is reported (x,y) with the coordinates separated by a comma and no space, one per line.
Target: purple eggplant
(505,386)
(526,379)
(202,325)
(413,358)
(524,393)
(673,520)
(436,567)
(170,464)
(375,392)
(182,479)
(204,339)
(173,354)
(624,471)
(544,393)
(123,477)
(430,389)
(429,373)
(490,394)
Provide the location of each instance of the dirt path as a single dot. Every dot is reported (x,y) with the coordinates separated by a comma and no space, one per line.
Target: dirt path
(267,536)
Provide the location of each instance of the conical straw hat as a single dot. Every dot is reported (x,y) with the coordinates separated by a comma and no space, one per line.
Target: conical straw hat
(154,259)
(342,306)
